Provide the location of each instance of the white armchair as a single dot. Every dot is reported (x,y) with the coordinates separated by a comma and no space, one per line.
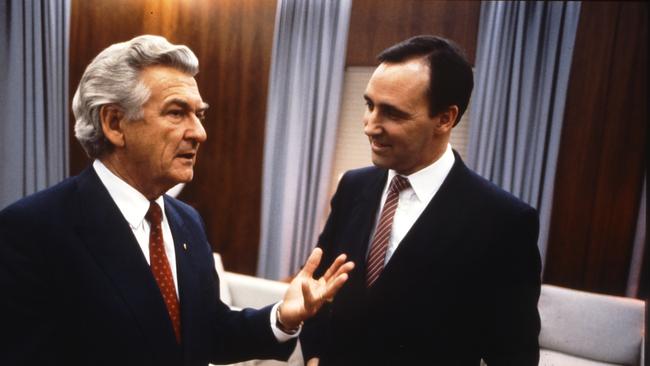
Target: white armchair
(241,291)
(587,329)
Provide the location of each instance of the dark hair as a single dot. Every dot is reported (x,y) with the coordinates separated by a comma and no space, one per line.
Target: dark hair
(450,79)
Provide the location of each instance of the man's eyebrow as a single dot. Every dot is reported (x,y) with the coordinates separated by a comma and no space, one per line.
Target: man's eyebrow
(185,105)
(395,111)
(388,108)
(180,102)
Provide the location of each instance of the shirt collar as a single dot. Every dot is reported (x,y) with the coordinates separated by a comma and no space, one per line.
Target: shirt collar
(426,182)
(132,204)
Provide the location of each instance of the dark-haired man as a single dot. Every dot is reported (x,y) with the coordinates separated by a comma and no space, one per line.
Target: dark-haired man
(448,270)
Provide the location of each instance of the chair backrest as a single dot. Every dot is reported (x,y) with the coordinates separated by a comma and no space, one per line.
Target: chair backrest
(593,326)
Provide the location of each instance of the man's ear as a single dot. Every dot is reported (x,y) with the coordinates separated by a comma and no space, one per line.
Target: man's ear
(111,116)
(446,119)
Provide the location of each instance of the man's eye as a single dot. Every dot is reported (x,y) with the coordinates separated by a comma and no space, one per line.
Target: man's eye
(175,113)
(369,105)
(201,116)
(393,116)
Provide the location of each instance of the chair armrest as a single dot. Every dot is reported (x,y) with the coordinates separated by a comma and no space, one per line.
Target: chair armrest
(254,292)
(642,360)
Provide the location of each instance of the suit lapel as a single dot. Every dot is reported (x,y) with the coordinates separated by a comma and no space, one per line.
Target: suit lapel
(363,216)
(186,246)
(431,236)
(358,225)
(109,239)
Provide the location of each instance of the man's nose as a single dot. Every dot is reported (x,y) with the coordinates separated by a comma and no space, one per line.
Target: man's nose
(197,132)
(371,126)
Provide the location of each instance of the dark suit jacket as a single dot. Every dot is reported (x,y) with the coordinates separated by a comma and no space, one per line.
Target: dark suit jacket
(77,290)
(462,285)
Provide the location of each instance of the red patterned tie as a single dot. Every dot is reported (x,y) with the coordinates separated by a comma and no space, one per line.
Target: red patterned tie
(379,246)
(160,268)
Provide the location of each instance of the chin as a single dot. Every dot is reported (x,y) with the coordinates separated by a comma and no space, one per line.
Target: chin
(183,177)
(380,162)
(187,179)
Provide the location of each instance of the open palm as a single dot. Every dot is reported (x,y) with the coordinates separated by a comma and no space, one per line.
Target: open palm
(306,294)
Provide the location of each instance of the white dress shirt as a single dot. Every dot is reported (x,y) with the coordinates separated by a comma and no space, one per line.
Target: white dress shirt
(413,200)
(134,206)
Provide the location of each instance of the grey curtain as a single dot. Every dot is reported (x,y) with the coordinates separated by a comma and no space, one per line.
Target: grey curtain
(522,71)
(307,69)
(33,96)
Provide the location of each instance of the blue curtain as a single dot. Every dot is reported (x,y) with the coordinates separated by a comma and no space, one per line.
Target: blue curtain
(522,71)
(33,96)
(305,86)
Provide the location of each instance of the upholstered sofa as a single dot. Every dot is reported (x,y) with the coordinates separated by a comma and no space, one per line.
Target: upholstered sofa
(587,329)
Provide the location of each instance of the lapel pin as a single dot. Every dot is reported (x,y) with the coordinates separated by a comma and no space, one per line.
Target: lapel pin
(184,246)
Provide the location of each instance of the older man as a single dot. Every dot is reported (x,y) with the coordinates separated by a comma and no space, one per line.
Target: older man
(103,268)
(449,271)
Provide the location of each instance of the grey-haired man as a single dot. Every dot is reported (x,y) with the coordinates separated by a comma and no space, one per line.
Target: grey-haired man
(104,268)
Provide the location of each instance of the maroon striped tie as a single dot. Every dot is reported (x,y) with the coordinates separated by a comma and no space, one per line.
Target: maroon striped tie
(379,246)
(161,270)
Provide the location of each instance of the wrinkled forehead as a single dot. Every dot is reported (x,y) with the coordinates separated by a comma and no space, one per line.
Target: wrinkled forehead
(166,83)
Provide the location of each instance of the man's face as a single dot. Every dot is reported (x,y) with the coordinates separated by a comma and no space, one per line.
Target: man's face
(402,135)
(160,149)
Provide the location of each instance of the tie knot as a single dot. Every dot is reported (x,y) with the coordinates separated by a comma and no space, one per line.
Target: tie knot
(154,215)
(399,183)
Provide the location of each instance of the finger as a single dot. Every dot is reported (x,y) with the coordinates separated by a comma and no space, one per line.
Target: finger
(335,285)
(334,268)
(330,285)
(345,268)
(312,262)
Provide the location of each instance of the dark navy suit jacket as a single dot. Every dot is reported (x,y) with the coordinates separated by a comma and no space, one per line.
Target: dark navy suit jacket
(76,289)
(462,285)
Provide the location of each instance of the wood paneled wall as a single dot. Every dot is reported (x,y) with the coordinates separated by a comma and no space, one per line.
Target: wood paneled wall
(378,24)
(233,41)
(602,152)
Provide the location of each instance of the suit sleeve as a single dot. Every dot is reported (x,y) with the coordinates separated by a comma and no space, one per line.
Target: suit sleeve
(31,326)
(240,335)
(510,322)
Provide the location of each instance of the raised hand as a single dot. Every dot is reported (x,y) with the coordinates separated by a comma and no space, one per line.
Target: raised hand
(306,294)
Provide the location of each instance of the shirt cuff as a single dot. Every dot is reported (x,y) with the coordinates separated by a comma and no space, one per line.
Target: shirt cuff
(279,334)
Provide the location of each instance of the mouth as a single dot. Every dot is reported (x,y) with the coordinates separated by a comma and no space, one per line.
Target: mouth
(378,146)
(186,155)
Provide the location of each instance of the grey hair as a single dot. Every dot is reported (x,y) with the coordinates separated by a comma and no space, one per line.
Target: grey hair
(113,78)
